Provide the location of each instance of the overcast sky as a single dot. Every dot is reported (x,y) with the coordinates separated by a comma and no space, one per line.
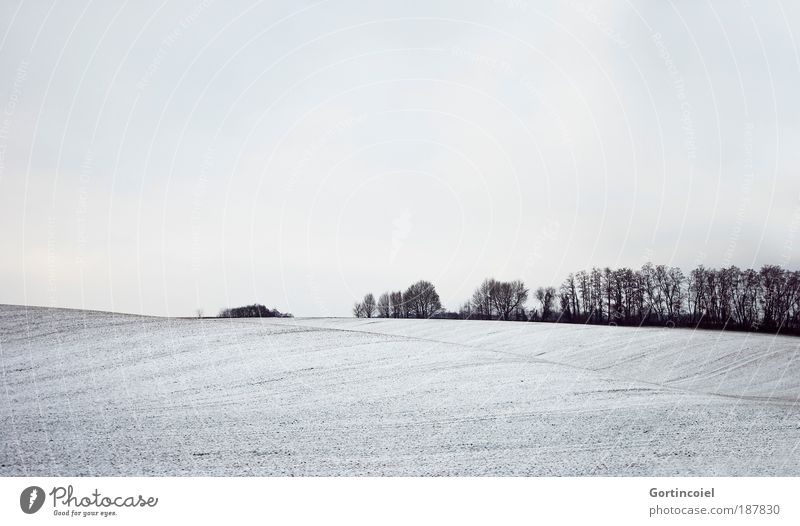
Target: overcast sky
(299,154)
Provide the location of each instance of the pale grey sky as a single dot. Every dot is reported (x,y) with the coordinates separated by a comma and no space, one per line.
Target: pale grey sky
(159,157)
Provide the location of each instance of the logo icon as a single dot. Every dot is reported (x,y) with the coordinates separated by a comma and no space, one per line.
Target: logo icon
(31,499)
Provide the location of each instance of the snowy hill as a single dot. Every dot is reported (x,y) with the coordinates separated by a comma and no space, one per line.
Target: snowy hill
(92,393)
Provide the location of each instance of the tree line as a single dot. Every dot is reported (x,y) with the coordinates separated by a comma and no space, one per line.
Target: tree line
(419,300)
(727,298)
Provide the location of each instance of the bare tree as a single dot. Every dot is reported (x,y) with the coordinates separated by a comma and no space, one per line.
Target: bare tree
(571,303)
(655,302)
(368,305)
(668,283)
(696,296)
(398,307)
(481,302)
(546,297)
(609,285)
(422,299)
(631,293)
(596,287)
(745,297)
(793,300)
(384,305)
(774,292)
(585,293)
(507,296)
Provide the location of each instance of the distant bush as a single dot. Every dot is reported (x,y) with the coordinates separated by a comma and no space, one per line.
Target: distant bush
(252,311)
(447,315)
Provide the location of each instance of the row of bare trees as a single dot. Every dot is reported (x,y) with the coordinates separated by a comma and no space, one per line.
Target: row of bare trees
(728,298)
(493,299)
(622,295)
(419,300)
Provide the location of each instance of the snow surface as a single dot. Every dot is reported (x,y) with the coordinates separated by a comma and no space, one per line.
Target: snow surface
(93,393)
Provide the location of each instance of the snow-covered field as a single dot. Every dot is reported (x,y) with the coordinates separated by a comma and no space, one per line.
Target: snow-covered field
(91,393)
